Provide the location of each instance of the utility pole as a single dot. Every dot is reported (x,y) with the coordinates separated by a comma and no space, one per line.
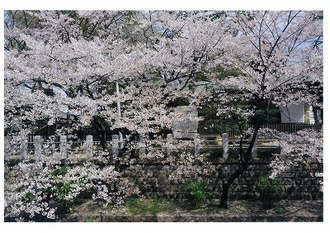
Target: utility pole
(118,110)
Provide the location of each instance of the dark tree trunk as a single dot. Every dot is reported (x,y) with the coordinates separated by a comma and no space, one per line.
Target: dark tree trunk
(226,185)
(243,166)
(101,132)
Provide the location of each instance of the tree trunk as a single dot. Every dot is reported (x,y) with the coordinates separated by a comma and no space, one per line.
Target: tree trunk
(100,129)
(244,159)
(227,183)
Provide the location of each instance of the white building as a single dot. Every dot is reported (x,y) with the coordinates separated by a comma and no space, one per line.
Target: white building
(297,113)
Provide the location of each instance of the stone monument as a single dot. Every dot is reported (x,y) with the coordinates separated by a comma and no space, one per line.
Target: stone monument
(186,124)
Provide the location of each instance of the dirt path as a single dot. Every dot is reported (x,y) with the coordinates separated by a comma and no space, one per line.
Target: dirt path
(238,211)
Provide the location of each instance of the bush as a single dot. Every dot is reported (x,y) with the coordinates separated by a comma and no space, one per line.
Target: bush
(270,191)
(45,190)
(195,193)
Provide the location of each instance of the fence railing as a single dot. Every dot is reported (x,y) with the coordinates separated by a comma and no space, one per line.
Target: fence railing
(232,132)
(283,127)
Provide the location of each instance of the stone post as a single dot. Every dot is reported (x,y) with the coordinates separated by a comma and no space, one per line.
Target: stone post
(121,141)
(22,150)
(37,142)
(6,142)
(89,146)
(254,149)
(197,144)
(142,144)
(63,145)
(115,145)
(225,141)
(169,143)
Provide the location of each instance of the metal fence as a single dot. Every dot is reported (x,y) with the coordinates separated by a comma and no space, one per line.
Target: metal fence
(283,127)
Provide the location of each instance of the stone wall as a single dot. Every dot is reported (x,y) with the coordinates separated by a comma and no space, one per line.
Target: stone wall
(164,177)
(157,178)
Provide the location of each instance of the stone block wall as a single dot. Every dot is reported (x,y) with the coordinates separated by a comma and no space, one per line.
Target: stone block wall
(156,178)
(164,177)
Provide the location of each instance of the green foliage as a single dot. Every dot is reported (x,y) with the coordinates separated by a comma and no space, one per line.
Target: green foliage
(60,190)
(212,124)
(91,218)
(134,204)
(59,171)
(29,197)
(200,77)
(84,195)
(195,193)
(179,101)
(224,73)
(270,191)
(218,126)
(20,19)
(273,116)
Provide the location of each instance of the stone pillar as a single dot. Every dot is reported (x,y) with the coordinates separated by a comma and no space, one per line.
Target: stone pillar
(63,149)
(169,143)
(197,144)
(225,141)
(254,149)
(22,150)
(89,146)
(37,142)
(142,144)
(115,145)
(6,142)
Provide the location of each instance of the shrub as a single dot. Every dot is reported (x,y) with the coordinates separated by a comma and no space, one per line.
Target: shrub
(45,190)
(195,193)
(270,191)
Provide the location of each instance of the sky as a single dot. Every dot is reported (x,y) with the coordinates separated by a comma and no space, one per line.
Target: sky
(168,4)
(173,5)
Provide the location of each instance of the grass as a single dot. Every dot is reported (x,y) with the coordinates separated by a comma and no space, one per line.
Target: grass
(139,206)
(90,218)
(292,210)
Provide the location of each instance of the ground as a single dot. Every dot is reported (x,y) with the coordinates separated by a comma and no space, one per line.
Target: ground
(167,211)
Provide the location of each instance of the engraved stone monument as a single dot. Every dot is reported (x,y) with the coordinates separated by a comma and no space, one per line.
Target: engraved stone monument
(186,123)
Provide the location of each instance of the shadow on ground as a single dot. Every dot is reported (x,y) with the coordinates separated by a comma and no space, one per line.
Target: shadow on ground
(238,211)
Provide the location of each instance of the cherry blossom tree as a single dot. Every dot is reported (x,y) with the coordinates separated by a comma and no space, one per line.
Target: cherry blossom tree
(84,70)
(71,62)
(295,151)
(279,53)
